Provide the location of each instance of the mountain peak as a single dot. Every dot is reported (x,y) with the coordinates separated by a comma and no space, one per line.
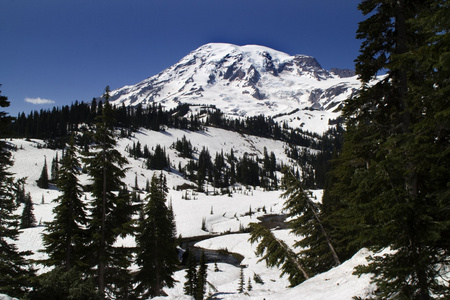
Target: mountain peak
(244,81)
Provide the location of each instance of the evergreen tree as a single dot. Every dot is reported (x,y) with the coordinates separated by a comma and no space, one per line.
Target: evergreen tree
(249,285)
(156,252)
(241,286)
(318,252)
(390,184)
(19,190)
(62,284)
(28,219)
(110,212)
(158,161)
(275,252)
(54,169)
(200,288)
(191,276)
(42,182)
(14,269)
(64,239)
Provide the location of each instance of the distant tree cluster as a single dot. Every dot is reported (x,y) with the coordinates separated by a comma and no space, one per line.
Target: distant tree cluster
(226,169)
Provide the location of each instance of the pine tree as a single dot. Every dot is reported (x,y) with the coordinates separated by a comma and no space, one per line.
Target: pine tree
(241,281)
(318,252)
(276,252)
(28,219)
(200,288)
(156,252)
(19,190)
(15,270)
(110,212)
(391,180)
(249,285)
(62,284)
(65,236)
(191,276)
(42,182)
(54,168)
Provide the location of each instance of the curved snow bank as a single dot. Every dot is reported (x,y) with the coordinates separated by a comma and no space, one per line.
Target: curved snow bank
(338,283)
(6,297)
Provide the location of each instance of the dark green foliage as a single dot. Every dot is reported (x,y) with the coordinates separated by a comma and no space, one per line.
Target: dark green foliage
(184,147)
(65,237)
(275,252)
(60,284)
(318,253)
(191,276)
(195,284)
(390,184)
(54,169)
(156,252)
(42,182)
(200,288)
(19,190)
(249,285)
(111,210)
(204,169)
(14,269)
(159,159)
(258,279)
(247,171)
(241,286)
(28,219)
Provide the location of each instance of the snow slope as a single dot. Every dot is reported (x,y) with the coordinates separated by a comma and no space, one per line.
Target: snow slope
(222,214)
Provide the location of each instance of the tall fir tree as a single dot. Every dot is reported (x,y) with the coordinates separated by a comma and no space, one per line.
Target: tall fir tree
(42,182)
(156,243)
(54,168)
(28,219)
(391,180)
(15,270)
(318,252)
(241,287)
(191,275)
(201,280)
(276,252)
(110,213)
(65,236)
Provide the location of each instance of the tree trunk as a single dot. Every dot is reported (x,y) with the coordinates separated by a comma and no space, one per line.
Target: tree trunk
(327,238)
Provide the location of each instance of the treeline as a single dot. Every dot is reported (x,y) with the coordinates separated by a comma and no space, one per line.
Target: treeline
(55,126)
(58,122)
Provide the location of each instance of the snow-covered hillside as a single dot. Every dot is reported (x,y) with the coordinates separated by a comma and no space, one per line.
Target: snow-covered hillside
(222,214)
(247,81)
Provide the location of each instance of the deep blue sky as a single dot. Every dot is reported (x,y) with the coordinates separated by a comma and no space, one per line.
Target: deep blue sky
(67,50)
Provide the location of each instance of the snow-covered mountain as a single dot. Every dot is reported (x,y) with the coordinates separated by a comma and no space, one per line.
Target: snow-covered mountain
(248,81)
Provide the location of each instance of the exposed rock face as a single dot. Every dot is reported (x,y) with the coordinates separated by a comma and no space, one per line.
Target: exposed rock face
(343,73)
(243,81)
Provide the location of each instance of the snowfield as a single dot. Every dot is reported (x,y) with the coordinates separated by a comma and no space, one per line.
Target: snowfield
(221,214)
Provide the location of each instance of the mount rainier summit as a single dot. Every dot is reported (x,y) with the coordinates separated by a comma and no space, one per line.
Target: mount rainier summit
(245,81)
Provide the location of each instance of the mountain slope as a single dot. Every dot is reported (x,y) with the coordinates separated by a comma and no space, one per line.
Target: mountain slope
(247,81)
(222,213)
